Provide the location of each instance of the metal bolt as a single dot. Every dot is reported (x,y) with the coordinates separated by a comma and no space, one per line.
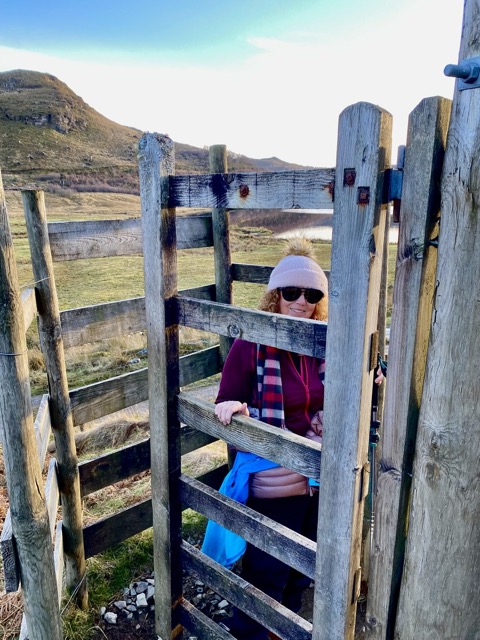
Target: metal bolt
(349,176)
(363,195)
(234,331)
(466,71)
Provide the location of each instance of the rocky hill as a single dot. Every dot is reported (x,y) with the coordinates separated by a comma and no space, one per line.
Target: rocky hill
(51,139)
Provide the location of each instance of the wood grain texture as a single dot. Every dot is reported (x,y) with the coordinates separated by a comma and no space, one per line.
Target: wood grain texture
(364,145)
(108,238)
(443,547)
(11,564)
(22,469)
(59,401)
(297,335)
(221,243)
(156,164)
(308,189)
(410,329)
(247,434)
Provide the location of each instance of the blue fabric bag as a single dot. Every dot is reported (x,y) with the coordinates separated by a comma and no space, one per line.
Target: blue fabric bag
(220,544)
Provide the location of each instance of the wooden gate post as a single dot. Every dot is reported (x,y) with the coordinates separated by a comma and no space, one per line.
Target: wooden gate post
(30,523)
(363,154)
(221,242)
(412,311)
(59,401)
(156,162)
(439,591)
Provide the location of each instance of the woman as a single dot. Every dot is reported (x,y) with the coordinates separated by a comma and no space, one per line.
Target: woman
(298,288)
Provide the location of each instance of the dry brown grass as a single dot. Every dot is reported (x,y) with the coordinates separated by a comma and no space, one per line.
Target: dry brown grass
(11,612)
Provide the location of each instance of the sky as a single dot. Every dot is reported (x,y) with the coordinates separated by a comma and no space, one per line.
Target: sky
(265,77)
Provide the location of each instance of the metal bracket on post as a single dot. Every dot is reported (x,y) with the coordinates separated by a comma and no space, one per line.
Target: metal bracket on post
(467,72)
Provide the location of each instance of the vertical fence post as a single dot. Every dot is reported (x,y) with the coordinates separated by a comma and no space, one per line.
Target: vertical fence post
(410,329)
(59,401)
(363,154)
(30,523)
(221,242)
(156,163)
(439,590)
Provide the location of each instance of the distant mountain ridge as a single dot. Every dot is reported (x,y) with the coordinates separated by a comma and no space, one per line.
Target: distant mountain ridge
(51,139)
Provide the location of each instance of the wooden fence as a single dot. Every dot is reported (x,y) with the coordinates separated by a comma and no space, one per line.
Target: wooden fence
(180,423)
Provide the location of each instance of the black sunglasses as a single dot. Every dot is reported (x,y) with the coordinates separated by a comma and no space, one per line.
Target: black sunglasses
(290,294)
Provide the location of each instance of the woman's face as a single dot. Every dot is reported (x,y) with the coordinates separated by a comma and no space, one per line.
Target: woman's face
(298,308)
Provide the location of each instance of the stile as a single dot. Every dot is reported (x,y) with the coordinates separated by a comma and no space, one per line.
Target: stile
(442,556)
(410,329)
(24,481)
(156,163)
(60,409)
(364,143)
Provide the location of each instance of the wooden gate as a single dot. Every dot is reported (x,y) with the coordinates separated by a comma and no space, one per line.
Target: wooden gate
(357,255)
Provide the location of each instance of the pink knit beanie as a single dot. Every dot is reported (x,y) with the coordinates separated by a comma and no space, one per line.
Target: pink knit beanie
(298,271)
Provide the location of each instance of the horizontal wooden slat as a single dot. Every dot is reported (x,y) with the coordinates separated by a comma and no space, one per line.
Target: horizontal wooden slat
(307,189)
(111,319)
(206,292)
(297,335)
(268,535)
(245,596)
(200,365)
(256,273)
(102,321)
(250,273)
(111,530)
(129,460)
(107,238)
(29,305)
(102,398)
(115,466)
(285,448)
(192,439)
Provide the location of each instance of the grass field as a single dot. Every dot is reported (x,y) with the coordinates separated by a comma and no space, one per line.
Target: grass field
(89,282)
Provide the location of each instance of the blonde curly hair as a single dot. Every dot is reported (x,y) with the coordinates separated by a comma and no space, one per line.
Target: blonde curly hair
(270,301)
